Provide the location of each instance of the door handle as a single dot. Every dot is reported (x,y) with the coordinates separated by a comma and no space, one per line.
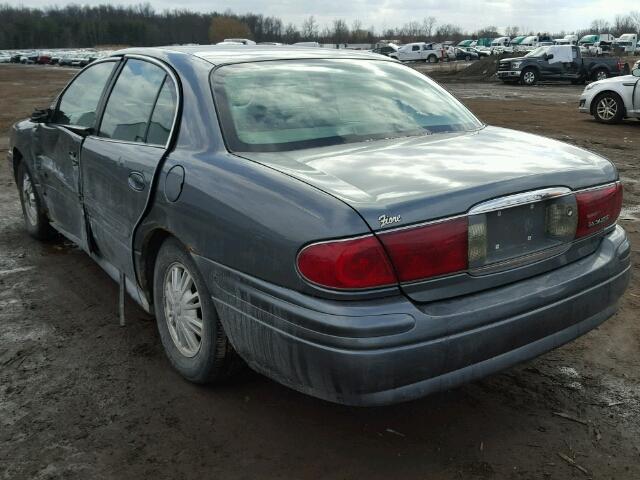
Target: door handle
(74,157)
(136,181)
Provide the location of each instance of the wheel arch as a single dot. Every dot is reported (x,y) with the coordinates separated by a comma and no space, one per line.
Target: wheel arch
(146,261)
(16,159)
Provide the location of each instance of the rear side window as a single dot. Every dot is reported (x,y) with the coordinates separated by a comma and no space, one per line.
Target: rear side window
(131,103)
(79,102)
(163,114)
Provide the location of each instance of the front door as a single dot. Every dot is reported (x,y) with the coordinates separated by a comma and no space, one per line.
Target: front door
(119,163)
(58,148)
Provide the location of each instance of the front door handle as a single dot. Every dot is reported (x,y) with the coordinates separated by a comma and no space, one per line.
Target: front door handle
(136,181)
(74,157)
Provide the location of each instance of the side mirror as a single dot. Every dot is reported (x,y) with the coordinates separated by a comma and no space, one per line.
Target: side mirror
(548,56)
(41,115)
(636,72)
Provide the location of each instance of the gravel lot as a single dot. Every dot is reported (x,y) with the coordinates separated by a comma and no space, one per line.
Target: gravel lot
(82,398)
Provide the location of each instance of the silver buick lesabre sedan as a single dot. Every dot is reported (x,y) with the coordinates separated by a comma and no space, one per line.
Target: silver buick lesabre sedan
(333,219)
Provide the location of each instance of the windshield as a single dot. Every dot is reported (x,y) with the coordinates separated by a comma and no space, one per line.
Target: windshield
(288,105)
(538,52)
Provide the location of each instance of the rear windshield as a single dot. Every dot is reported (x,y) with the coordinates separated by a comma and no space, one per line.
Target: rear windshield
(289,105)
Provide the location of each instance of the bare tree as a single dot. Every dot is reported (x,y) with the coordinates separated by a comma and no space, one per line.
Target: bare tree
(488,32)
(340,33)
(428,24)
(310,29)
(512,31)
(600,26)
(623,24)
(227,27)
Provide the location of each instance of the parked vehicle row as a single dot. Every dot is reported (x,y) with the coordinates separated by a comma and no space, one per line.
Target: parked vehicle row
(72,58)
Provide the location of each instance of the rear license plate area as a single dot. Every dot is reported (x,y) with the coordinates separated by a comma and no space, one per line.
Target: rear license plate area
(518,235)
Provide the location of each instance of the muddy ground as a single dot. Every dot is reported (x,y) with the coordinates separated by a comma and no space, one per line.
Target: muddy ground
(82,398)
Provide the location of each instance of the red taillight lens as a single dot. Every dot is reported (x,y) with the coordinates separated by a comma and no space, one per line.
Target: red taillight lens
(428,251)
(347,264)
(598,208)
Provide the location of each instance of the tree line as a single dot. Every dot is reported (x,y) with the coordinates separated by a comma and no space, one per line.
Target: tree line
(88,26)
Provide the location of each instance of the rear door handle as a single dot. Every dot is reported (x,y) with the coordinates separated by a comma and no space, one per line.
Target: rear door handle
(136,181)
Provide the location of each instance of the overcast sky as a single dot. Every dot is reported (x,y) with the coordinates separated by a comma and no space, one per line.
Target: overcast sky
(537,15)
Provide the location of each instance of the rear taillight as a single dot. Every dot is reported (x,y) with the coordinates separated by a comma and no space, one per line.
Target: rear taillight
(355,263)
(429,250)
(598,208)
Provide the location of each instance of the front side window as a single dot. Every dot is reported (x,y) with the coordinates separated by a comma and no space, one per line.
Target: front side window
(79,102)
(132,100)
(287,105)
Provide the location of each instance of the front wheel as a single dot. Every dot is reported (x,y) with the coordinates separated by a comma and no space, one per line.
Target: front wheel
(467,58)
(609,108)
(432,59)
(529,77)
(190,330)
(35,217)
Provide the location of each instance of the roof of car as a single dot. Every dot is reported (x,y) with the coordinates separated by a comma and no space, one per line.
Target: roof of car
(225,54)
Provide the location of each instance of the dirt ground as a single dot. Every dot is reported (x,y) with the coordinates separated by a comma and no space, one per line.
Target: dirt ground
(81,397)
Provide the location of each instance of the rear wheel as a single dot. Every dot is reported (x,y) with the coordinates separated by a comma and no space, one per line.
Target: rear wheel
(529,77)
(600,74)
(190,330)
(609,108)
(35,217)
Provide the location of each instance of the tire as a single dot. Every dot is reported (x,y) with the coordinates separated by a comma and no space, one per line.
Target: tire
(212,358)
(600,74)
(432,59)
(467,58)
(36,221)
(608,108)
(529,77)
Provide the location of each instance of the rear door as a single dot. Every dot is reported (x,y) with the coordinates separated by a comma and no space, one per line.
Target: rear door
(119,164)
(58,148)
(573,69)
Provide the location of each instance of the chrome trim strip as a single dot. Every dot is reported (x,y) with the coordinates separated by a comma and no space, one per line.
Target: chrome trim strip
(519,199)
(473,212)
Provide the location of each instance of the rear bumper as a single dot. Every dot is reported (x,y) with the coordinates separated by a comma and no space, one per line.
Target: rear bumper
(391,350)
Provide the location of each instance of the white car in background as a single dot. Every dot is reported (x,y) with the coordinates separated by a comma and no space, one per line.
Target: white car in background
(613,99)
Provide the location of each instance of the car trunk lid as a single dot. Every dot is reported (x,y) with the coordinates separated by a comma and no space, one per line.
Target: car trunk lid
(402,183)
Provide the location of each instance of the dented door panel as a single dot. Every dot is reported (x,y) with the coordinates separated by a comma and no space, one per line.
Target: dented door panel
(117,178)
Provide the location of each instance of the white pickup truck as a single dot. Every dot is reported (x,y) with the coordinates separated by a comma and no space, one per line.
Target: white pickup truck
(413,52)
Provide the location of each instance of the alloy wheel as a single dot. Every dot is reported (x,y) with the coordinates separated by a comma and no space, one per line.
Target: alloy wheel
(601,75)
(182,310)
(29,200)
(607,108)
(529,78)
